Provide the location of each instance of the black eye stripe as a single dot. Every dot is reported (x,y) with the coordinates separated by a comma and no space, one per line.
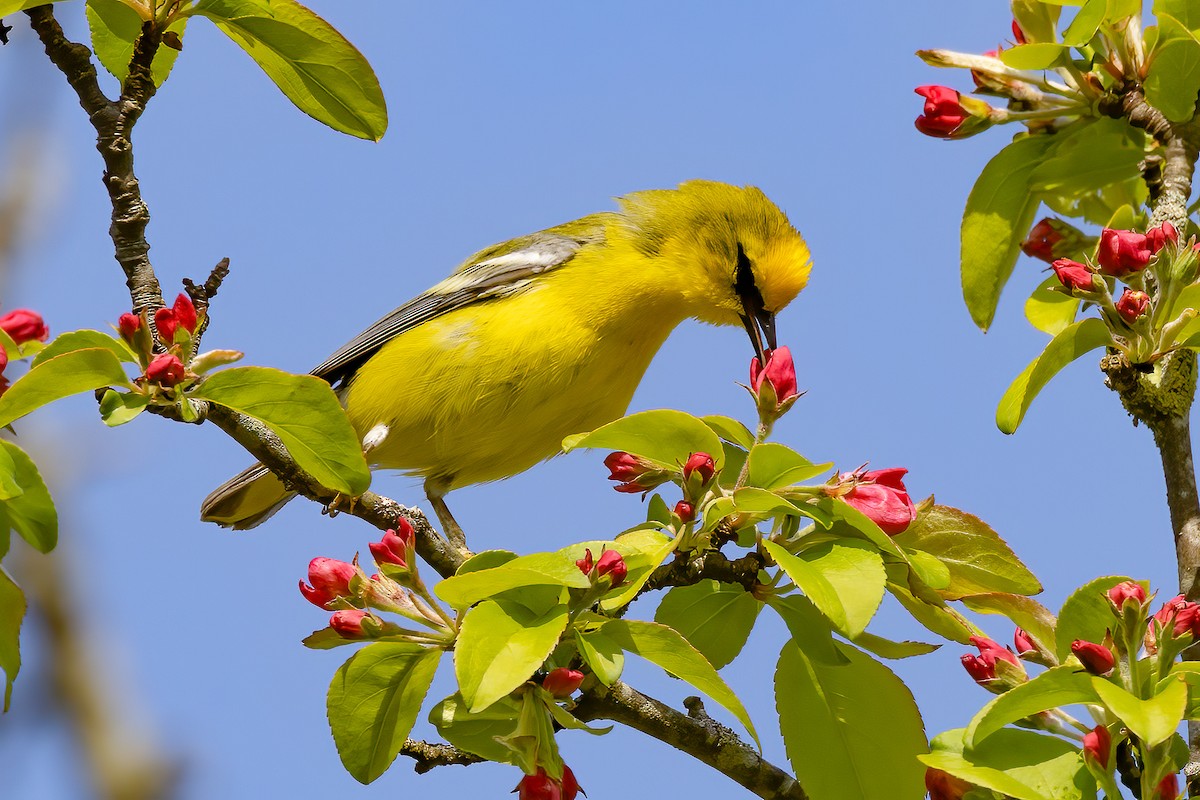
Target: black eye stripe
(743,279)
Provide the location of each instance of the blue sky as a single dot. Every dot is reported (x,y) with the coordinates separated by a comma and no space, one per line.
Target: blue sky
(505,119)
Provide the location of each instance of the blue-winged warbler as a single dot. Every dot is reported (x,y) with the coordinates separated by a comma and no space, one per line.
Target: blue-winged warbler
(547,335)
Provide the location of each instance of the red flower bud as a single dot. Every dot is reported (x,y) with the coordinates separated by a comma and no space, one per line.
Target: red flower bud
(562,682)
(685,511)
(1132,305)
(585,564)
(181,315)
(166,370)
(1041,240)
(1097,748)
(1018,34)
(611,564)
(330,580)
(542,787)
(394,548)
(944,786)
(1096,658)
(24,325)
(1073,275)
(3,359)
(700,464)
(1167,789)
(983,666)
(129,324)
(1023,642)
(1157,238)
(1122,593)
(943,114)
(634,473)
(780,372)
(1122,252)
(349,623)
(1178,616)
(881,495)
(570,786)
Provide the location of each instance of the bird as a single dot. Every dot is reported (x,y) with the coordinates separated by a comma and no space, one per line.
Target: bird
(546,335)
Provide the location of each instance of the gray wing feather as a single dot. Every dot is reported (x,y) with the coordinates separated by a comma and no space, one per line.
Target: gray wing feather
(492,273)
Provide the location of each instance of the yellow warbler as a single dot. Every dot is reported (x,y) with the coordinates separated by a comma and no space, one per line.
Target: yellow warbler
(546,335)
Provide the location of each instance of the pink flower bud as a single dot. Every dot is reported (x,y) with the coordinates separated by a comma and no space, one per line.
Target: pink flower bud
(944,786)
(611,564)
(1122,252)
(1073,275)
(634,473)
(983,666)
(1042,239)
(24,325)
(780,373)
(1157,238)
(979,668)
(542,787)
(943,114)
(1132,305)
(395,548)
(585,564)
(349,623)
(1097,748)
(701,465)
(166,370)
(881,495)
(181,315)
(1096,658)
(3,359)
(1168,788)
(330,580)
(685,511)
(1178,617)
(1122,593)
(570,786)
(1023,642)
(562,682)
(129,324)
(1018,34)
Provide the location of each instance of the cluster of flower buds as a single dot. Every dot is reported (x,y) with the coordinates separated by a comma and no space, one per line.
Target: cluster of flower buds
(635,474)
(996,668)
(1173,627)
(1140,322)
(176,326)
(609,568)
(879,494)
(22,325)
(541,786)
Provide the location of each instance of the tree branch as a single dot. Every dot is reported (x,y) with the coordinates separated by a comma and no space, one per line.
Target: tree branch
(691,568)
(695,733)
(429,755)
(114,123)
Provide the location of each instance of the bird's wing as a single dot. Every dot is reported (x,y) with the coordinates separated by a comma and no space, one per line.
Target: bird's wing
(489,274)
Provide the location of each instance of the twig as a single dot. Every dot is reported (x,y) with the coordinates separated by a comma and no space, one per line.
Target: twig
(429,755)
(691,568)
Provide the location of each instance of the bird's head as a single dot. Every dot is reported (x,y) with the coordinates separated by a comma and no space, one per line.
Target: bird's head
(730,252)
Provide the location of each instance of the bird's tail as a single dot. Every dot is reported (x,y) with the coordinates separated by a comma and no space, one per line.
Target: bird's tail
(246,500)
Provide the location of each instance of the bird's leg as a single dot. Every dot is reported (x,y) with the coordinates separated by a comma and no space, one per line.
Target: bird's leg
(435,490)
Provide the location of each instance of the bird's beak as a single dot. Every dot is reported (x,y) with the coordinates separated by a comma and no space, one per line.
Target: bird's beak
(760,325)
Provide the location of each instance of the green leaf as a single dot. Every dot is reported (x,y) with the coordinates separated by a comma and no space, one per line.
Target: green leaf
(849,521)
(1086,614)
(929,569)
(774,465)
(479,732)
(1038,20)
(1153,720)
(855,571)
(1025,612)
(1185,12)
(665,647)
(830,717)
(501,643)
(9,7)
(1074,341)
(486,559)
(30,513)
(310,62)
(1049,310)
(752,500)
(816,586)
(325,639)
(730,430)
(978,559)
(1086,22)
(12,611)
(602,655)
(715,618)
(115,28)
(937,617)
(809,628)
(1019,764)
(1095,154)
(549,569)
(664,436)
(1174,78)
(1060,686)
(117,408)
(84,340)
(303,412)
(373,703)
(59,377)
(643,552)
(1034,56)
(998,214)
(886,648)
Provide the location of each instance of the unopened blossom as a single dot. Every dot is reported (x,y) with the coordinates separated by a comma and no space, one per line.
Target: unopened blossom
(1097,748)
(166,370)
(24,325)
(881,495)
(1122,253)
(1133,304)
(330,581)
(701,465)
(779,373)
(1123,592)
(1073,275)
(562,682)
(1096,658)
(180,315)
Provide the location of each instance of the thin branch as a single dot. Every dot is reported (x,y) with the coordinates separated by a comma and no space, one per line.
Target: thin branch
(429,755)
(710,564)
(694,733)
